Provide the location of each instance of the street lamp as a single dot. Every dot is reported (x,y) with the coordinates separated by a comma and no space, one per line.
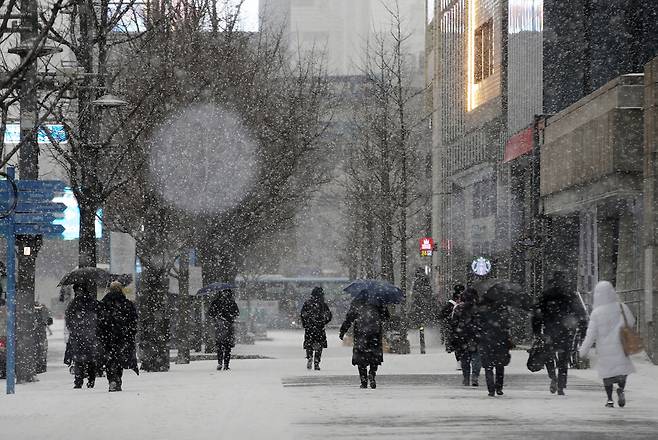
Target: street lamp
(29,44)
(109,101)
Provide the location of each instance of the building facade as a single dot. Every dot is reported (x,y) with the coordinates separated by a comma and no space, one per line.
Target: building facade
(497,68)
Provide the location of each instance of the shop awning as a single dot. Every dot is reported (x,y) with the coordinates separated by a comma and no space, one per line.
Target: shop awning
(518,145)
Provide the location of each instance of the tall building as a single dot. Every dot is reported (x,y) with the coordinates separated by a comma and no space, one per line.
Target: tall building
(494,67)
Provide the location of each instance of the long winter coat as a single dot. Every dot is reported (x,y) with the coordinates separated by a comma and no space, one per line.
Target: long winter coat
(81,319)
(558,315)
(495,342)
(446,315)
(368,320)
(117,328)
(223,311)
(315,315)
(466,328)
(604,328)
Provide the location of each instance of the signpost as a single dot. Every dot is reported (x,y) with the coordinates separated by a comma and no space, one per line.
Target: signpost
(26,208)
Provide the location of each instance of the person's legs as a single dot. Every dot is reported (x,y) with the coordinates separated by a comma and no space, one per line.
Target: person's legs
(466,367)
(363,375)
(91,374)
(476,366)
(309,359)
(489,377)
(607,384)
(220,354)
(318,358)
(112,376)
(500,379)
(562,369)
(372,376)
(227,355)
(79,374)
(621,397)
(550,369)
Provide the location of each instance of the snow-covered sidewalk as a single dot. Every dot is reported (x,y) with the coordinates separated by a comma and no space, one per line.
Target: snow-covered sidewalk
(418,397)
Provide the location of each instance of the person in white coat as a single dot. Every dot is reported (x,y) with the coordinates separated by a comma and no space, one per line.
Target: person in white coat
(604,328)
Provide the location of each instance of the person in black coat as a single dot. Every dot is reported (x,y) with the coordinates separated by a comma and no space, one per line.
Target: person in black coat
(367,316)
(223,311)
(117,328)
(467,336)
(81,319)
(446,314)
(315,315)
(494,344)
(556,318)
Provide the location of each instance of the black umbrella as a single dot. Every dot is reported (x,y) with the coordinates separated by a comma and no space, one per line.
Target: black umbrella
(214,288)
(504,292)
(123,278)
(86,275)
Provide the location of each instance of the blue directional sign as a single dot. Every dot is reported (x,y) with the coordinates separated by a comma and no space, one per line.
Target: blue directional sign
(42,217)
(38,229)
(40,207)
(56,186)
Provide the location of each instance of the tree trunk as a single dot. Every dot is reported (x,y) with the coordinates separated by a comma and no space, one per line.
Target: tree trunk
(87,241)
(183,327)
(153,318)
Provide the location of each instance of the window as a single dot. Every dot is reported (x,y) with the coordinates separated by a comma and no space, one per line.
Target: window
(484,51)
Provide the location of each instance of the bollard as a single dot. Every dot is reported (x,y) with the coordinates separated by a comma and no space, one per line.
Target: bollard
(422,340)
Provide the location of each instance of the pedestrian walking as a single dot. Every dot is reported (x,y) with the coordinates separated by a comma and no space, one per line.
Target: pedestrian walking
(117,328)
(446,314)
(608,317)
(223,311)
(315,315)
(367,316)
(467,336)
(494,344)
(556,318)
(81,318)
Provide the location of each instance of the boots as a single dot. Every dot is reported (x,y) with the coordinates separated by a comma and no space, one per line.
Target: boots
(363,375)
(371,378)
(475,380)
(309,363)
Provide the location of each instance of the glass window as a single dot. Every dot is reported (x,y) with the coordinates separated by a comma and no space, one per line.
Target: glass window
(484,50)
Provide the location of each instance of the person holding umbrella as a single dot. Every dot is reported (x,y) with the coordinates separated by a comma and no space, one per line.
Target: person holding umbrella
(494,343)
(223,311)
(81,319)
(367,314)
(315,315)
(117,328)
(446,315)
(556,318)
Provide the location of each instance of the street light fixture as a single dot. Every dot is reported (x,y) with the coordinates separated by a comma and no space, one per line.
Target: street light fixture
(42,50)
(109,101)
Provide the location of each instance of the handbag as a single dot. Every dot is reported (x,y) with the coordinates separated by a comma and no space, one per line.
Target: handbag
(537,355)
(630,339)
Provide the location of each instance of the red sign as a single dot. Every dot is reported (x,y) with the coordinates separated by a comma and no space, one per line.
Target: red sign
(519,144)
(426,247)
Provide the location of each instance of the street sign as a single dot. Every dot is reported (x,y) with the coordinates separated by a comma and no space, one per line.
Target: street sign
(25,207)
(41,185)
(38,229)
(42,217)
(31,196)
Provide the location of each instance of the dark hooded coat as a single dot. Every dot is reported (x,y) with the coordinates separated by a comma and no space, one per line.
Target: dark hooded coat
(223,311)
(558,314)
(81,319)
(315,315)
(368,321)
(117,328)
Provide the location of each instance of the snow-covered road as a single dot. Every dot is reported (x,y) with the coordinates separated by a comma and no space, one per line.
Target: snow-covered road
(418,397)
